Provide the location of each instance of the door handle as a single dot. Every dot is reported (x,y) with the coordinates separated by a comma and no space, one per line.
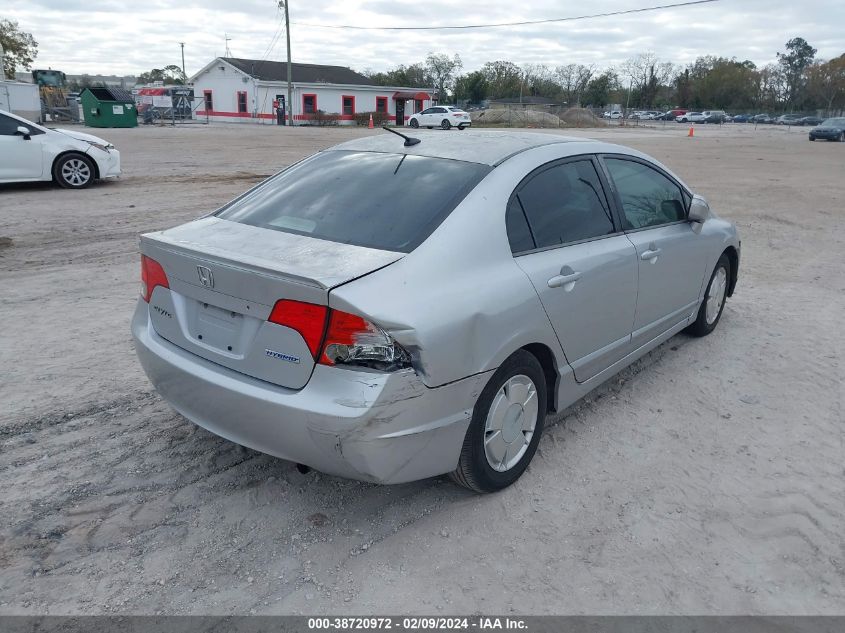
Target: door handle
(650,255)
(562,280)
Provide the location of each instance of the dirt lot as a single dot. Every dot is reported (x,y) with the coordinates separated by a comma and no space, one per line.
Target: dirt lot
(708,478)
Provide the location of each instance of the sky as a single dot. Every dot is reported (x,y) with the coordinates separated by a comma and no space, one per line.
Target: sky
(126,38)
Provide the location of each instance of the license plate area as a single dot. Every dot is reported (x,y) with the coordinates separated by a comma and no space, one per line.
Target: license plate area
(218,328)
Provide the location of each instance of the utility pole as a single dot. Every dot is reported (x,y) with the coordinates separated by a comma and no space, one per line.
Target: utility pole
(182,44)
(284,3)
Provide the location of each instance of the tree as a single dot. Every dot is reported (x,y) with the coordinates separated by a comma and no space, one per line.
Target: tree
(472,86)
(826,83)
(599,89)
(647,74)
(573,80)
(169,75)
(504,79)
(442,69)
(20,48)
(413,76)
(798,57)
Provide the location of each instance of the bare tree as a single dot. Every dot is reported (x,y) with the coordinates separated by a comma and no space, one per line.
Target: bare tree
(573,80)
(443,70)
(647,73)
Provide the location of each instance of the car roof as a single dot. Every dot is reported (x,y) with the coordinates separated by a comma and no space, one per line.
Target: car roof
(487,147)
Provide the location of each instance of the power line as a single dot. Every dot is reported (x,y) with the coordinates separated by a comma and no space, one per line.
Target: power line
(501,24)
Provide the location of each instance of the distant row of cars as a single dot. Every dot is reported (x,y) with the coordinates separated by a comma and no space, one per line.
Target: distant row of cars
(713,116)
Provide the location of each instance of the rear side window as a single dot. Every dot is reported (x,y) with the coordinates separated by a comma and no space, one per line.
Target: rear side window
(519,234)
(566,203)
(648,197)
(386,201)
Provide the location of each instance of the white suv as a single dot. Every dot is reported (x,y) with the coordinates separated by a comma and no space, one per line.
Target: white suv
(29,152)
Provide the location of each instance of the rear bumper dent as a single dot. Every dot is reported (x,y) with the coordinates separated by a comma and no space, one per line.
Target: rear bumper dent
(378,427)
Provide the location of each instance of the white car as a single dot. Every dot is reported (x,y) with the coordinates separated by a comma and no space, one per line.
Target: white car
(691,117)
(443,117)
(614,114)
(30,152)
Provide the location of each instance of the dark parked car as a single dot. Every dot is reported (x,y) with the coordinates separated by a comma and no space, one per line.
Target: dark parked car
(715,118)
(762,118)
(742,118)
(810,120)
(829,130)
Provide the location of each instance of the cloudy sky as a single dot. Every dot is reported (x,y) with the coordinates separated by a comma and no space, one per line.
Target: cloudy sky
(125,37)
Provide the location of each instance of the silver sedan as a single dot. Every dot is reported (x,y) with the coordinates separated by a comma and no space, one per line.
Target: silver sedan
(391,311)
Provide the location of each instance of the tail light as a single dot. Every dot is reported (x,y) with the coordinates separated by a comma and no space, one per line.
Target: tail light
(340,338)
(309,319)
(152,275)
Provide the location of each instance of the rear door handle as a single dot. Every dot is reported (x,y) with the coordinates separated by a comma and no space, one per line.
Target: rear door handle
(562,280)
(650,254)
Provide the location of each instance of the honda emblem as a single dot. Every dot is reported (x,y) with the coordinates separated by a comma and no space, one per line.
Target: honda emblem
(206,278)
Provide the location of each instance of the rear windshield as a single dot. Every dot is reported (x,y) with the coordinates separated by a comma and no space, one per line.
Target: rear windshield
(387,201)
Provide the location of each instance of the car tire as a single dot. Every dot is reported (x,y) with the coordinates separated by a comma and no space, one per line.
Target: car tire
(445,125)
(74,171)
(461,128)
(429,126)
(414,123)
(715,298)
(841,137)
(507,422)
(812,138)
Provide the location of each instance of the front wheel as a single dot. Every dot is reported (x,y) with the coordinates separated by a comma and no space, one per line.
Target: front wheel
(507,422)
(714,299)
(414,123)
(445,125)
(462,127)
(74,171)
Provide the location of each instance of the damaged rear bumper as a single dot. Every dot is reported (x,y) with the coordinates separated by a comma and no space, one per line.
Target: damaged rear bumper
(367,425)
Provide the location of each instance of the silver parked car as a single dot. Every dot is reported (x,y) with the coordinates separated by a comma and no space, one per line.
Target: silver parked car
(392,312)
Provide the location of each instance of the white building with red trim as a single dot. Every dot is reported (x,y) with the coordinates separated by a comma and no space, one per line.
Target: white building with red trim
(243,90)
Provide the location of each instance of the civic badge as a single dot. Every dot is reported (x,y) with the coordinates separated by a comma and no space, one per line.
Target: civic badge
(206,278)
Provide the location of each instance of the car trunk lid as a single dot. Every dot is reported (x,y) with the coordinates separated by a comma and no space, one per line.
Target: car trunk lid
(224,279)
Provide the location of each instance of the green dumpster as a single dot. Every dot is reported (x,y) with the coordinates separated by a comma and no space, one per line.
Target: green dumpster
(108,107)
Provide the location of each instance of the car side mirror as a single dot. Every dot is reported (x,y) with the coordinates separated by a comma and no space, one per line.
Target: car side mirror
(699,210)
(23,131)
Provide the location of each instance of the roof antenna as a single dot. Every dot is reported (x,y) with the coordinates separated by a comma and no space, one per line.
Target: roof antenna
(409,140)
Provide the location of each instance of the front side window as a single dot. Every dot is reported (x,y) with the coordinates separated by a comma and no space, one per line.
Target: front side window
(378,200)
(648,197)
(8,125)
(565,203)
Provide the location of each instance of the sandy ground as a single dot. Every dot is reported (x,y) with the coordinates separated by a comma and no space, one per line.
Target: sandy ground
(707,478)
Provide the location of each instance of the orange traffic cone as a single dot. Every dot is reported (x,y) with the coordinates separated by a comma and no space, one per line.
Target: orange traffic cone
(691,132)
(371,122)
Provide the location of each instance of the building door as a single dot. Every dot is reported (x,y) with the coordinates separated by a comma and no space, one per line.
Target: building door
(400,112)
(281,110)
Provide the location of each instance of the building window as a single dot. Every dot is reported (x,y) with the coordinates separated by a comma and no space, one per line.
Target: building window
(381,104)
(309,104)
(348,105)
(209,101)
(242,102)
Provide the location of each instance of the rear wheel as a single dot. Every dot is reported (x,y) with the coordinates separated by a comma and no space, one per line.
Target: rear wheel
(74,171)
(414,123)
(445,125)
(507,422)
(461,127)
(714,299)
